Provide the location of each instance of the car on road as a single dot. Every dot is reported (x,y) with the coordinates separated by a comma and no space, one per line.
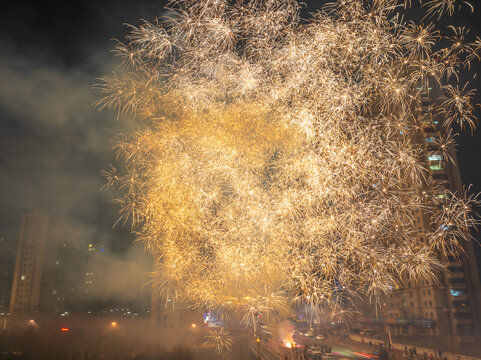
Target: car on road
(309,333)
(329,356)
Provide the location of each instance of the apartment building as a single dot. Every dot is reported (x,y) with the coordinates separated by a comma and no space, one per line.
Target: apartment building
(447,308)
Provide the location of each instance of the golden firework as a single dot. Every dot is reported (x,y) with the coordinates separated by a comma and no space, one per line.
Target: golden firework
(282,159)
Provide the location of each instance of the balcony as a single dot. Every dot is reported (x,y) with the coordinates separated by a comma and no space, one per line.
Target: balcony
(464,321)
(465,339)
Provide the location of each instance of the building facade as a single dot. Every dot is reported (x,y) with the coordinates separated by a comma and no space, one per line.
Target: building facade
(33,274)
(48,267)
(445,311)
(175,323)
(7,265)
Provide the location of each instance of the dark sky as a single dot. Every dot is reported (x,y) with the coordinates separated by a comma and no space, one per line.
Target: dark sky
(53,143)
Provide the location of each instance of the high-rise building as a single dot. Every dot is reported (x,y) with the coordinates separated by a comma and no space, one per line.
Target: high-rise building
(444,312)
(48,267)
(7,265)
(33,266)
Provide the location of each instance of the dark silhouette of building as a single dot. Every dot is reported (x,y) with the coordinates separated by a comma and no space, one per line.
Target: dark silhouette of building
(7,265)
(49,267)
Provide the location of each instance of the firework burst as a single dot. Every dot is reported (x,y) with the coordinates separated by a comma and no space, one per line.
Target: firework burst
(219,340)
(283,159)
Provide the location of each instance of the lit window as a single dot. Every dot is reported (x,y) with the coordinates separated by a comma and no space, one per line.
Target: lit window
(435,157)
(22,277)
(437,166)
(457,292)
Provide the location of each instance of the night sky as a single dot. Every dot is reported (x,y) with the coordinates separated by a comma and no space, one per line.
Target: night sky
(53,142)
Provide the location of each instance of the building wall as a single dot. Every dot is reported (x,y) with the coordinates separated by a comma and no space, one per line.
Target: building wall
(7,266)
(175,324)
(50,267)
(35,234)
(448,306)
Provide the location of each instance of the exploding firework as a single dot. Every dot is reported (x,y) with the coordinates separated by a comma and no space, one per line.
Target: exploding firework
(282,159)
(219,340)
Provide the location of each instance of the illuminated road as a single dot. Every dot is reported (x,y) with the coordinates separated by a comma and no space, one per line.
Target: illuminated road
(343,349)
(351,351)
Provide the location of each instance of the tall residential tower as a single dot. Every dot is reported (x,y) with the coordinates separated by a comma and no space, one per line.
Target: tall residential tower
(443,312)
(35,265)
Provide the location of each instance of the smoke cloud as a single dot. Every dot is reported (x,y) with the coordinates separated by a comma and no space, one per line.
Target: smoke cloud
(53,145)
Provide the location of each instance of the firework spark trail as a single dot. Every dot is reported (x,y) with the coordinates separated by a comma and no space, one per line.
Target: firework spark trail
(283,159)
(219,340)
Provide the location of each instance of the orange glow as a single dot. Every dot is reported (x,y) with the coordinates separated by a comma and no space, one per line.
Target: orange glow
(113,323)
(194,325)
(288,341)
(258,340)
(254,145)
(366,355)
(65,329)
